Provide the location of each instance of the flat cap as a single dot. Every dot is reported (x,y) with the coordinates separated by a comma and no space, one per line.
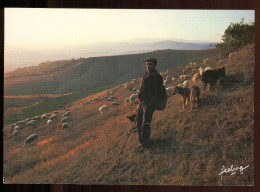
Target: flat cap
(151,59)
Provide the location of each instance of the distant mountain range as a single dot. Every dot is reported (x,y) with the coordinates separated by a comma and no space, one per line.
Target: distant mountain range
(84,73)
(34,57)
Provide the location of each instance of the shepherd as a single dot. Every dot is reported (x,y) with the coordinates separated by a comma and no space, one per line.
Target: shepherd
(148,98)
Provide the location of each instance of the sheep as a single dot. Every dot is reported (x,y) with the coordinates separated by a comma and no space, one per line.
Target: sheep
(167,80)
(44,116)
(50,123)
(201,70)
(65,126)
(169,90)
(184,77)
(127,100)
(13,125)
(31,124)
(75,108)
(185,84)
(211,76)
(53,117)
(65,119)
(173,79)
(205,61)
(196,78)
(30,139)
(103,108)
(15,134)
(56,112)
(67,114)
(132,97)
(16,128)
(115,103)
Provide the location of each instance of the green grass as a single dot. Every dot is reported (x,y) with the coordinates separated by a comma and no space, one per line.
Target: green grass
(51,104)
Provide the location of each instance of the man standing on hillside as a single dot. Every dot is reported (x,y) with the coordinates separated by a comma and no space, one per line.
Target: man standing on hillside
(148,95)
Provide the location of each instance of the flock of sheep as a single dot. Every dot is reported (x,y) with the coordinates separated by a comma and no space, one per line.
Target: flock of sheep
(184,81)
(35,121)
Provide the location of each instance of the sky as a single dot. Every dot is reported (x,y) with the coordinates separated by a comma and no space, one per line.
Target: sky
(34,29)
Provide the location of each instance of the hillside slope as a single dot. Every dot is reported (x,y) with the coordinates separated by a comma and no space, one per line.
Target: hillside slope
(70,76)
(189,148)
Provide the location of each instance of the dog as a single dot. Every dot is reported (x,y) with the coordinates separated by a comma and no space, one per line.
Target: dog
(185,95)
(194,96)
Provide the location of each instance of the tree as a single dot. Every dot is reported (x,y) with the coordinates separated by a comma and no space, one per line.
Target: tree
(236,36)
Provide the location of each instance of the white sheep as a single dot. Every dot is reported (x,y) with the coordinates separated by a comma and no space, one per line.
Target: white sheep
(115,103)
(15,134)
(67,114)
(65,126)
(127,100)
(53,117)
(65,119)
(44,116)
(31,124)
(132,97)
(205,61)
(173,79)
(29,139)
(185,84)
(201,70)
(16,128)
(103,108)
(169,90)
(184,77)
(196,78)
(50,123)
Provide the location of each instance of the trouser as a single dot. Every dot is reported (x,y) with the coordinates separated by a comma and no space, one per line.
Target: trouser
(144,119)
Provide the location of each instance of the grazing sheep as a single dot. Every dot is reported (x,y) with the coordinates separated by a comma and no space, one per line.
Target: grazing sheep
(67,114)
(56,112)
(30,139)
(185,84)
(31,124)
(53,117)
(184,77)
(132,97)
(16,128)
(211,77)
(201,71)
(36,118)
(13,125)
(115,103)
(205,61)
(65,126)
(50,123)
(169,90)
(44,116)
(15,134)
(127,100)
(103,108)
(196,78)
(65,119)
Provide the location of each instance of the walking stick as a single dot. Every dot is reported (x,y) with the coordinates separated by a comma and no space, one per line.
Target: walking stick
(130,131)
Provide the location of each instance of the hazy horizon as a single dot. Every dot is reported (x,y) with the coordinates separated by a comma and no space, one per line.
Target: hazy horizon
(35,35)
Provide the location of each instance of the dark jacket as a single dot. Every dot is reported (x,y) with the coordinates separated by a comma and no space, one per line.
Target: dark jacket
(149,88)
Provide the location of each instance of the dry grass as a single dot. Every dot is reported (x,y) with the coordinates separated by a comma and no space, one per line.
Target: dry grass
(188,148)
